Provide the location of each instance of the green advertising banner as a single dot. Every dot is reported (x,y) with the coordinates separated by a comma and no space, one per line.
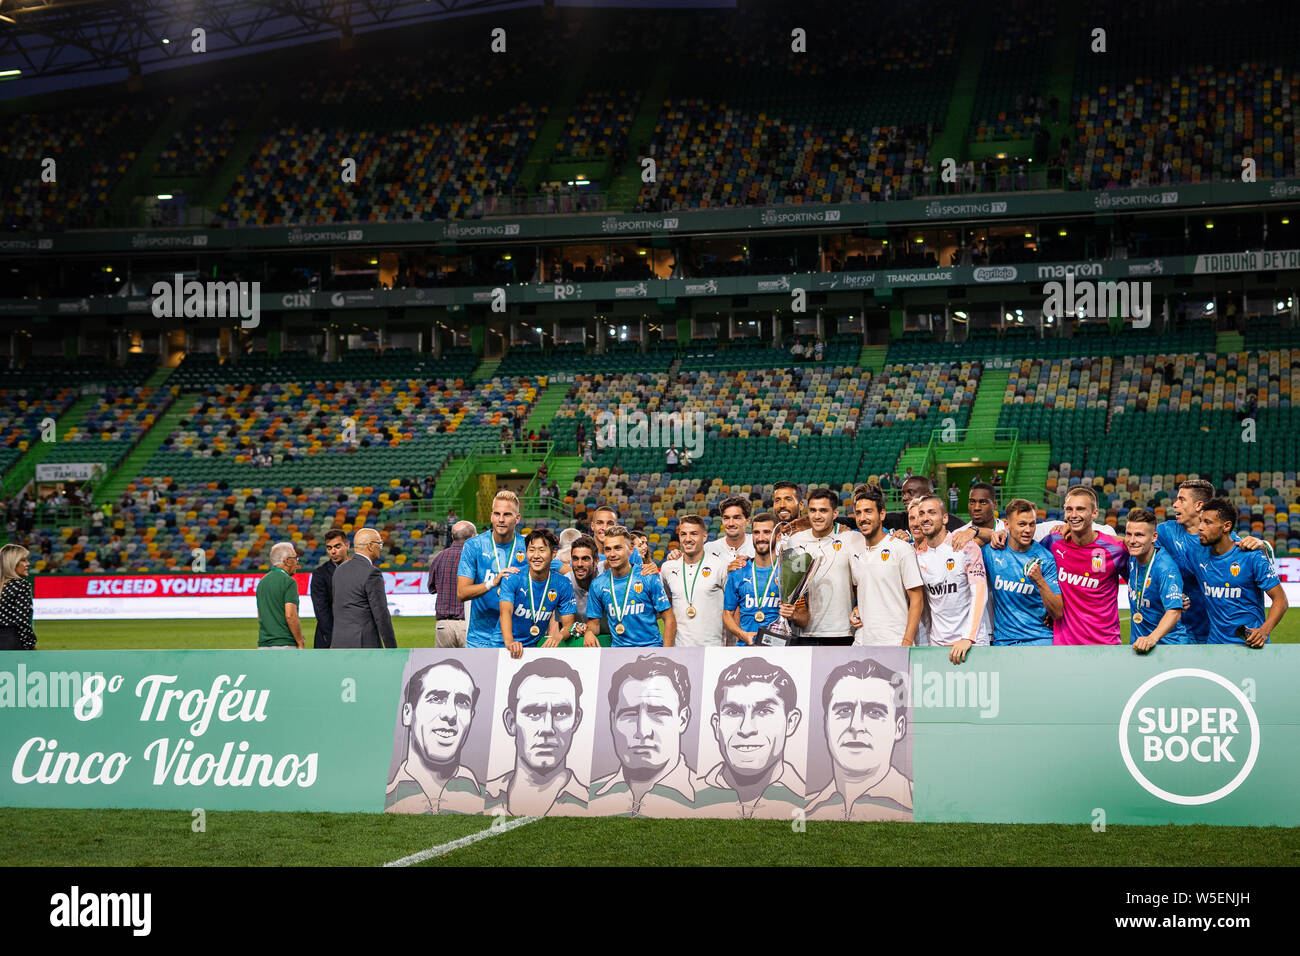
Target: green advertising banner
(1083,736)
(1104,736)
(225,730)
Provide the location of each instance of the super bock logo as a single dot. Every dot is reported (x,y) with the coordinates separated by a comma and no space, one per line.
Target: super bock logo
(1189,736)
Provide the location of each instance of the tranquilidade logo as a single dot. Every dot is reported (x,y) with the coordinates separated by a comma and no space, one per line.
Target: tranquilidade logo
(1189,736)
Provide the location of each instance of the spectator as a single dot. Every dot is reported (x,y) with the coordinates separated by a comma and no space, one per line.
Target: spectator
(451,627)
(277,601)
(954,496)
(451,524)
(671,459)
(587,456)
(797,349)
(322,586)
(580,435)
(16,632)
(818,351)
(505,439)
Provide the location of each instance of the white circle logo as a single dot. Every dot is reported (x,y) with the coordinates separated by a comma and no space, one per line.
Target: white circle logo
(1166,730)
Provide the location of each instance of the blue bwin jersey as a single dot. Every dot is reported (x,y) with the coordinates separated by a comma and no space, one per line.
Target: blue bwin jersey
(740,594)
(645,601)
(479,561)
(1233,586)
(1018,610)
(1162,591)
(551,597)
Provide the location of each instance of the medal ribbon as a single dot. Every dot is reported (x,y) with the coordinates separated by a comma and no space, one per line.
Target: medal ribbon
(753,579)
(1147,577)
(622,611)
(691,590)
(531,605)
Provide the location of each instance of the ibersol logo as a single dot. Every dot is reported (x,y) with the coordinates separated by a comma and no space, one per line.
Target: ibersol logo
(1189,736)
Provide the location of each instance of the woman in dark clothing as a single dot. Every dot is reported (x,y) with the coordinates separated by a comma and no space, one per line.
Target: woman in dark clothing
(16,632)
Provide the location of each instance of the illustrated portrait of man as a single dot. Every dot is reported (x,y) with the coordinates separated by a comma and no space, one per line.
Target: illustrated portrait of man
(756,713)
(543,710)
(864,710)
(649,713)
(437,710)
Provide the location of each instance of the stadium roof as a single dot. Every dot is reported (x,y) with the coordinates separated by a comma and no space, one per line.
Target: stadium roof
(105,41)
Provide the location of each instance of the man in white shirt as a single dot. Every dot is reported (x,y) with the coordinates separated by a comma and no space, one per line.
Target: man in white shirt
(826,619)
(955,581)
(890,592)
(735,542)
(696,584)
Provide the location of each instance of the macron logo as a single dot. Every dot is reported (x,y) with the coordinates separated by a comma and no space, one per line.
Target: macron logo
(75,908)
(1078,580)
(1223,592)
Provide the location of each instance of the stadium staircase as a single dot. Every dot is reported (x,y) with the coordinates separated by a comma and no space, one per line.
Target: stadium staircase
(1027,475)
(485,370)
(562,106)
(111,489)
(24,469)
(547,404)
(1226,343)
(872,358)
(988,399)
(138,180)
(250,139)
(626,186)
(952,138)
(1060,81)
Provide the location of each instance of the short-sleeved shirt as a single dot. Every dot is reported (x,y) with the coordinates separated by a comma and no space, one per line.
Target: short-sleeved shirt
(1089,578)
(551,597)
(634,560)
(830,588)
(645,599)
(579,597)
(1233,585)
(1185,549)
(276,589)
(1019,615)
(948,592)
(719,548)
(480,560)
(706,583)
(754,590)
(883,573)
(1153,589)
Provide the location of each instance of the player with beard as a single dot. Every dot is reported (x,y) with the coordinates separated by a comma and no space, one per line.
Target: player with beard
(890,592)
(753,595)
(695,584)
(1178,538)
(955,582)
(1234,582)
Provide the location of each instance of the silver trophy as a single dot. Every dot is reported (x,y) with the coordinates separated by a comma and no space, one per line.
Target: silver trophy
(796,568)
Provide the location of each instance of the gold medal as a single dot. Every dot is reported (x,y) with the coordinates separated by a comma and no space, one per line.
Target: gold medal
(1137,617)
(534,630)
(758,616)
(690,611)
(619,628)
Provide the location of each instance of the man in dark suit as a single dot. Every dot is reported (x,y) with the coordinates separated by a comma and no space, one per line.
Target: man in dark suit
(360,607)
(322,585)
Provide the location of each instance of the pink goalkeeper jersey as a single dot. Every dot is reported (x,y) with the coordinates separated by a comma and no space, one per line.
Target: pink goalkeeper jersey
(1089,578)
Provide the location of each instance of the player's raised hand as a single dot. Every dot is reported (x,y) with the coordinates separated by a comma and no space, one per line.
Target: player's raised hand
(959,539)
(999,540)
(738,562)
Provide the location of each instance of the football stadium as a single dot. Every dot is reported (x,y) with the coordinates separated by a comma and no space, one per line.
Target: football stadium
(723,433)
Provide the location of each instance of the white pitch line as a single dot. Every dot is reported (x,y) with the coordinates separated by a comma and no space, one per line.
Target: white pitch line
(444,848)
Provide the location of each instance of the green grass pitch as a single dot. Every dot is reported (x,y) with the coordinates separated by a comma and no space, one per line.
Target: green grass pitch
(41,837)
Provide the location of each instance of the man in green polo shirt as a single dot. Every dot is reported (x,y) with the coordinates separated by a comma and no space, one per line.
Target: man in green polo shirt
(277,601)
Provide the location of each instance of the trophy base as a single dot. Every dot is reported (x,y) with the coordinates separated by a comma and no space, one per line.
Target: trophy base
(767,637)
